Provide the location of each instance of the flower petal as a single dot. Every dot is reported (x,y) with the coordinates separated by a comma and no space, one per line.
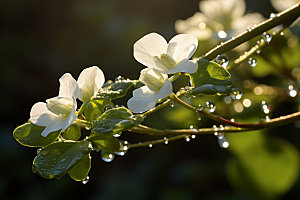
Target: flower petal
(90,81)
(54,126)
(71,117)
(182,46)
(165,90)
(143,99)
(68,86)
(149,46)
(40,115)
(188,66)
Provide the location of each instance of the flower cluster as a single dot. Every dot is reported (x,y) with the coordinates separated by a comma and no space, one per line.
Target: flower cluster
(220,19)
(161,58)
(60,112)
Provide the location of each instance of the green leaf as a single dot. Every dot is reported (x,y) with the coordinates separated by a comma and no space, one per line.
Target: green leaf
(81,170)
(55,160)
(116,120)
(94,108)
(105,142)
(210,78)
(266,167)
(73,132)
(29,134)
(115,90)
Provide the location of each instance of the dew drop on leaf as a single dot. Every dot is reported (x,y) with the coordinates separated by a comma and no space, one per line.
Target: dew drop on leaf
(222,60)
(107,156)
(86,180)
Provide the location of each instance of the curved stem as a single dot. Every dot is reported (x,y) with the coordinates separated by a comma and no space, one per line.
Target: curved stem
(284,17)
(274,122)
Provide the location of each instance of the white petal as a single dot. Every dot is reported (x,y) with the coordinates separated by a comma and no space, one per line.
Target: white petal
(188,66)
(71,117)
(143,99)
(54,126)
(40,115)
(165,90)
(90,81)
(182,46)
(149,46)
(68,86)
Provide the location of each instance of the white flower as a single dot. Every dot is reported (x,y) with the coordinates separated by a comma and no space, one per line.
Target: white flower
(157,86)
(153,51)
(221,18)
(59,112)
(89,82)
(281,5)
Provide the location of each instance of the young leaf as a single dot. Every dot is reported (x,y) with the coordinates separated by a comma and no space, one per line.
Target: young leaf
(73,132)
(81,170)
(116,120)
(115,90)
(29,134)
(94,108)
(55,160)
(105,142)
(210,78)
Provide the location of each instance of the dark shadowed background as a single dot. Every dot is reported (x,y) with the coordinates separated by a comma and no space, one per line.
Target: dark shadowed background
(42,40)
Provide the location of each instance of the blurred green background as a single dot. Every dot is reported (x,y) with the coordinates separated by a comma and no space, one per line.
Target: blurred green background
(42,40)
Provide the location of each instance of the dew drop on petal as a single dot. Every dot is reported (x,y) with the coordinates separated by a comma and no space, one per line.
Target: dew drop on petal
(222,60)
(210,106)
(236,94)
(86,180)
(267,37)
(107,156)
(252,62)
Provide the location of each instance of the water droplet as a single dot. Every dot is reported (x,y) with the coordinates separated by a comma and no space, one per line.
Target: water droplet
(88,127)
(166,140)
(117,134)
(123,148)
(281,33)
(215,128)
(223,143)
(273,15)
(265,108)
(200,107)
(193,136)
(222,34)
(258,51)
(107,156)
(249,28)
(119,78)
(267,119)
(150,145)
(107,107)
(236,94)
(187,138)
(221,127)
(267,37)
(222,60)
(252,62)
(232,120)
(39,150)
(172,104)
(86,180)
(292,91)
(210,106)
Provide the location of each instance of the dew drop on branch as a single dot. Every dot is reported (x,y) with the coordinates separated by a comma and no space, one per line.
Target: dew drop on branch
(222,60)
(265,108)
(273,15)
(210,106)
(267,37)
(293,91)
(172,104)
(166,140)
